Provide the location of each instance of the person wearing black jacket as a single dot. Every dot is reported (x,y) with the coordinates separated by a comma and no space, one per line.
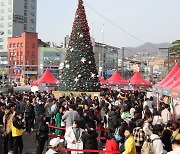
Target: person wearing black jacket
(17,131)
(89,139)
(29,112)
(114,119)
(41,134)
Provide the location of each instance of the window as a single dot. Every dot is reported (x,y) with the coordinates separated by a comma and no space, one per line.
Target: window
(32,20)
(1,39)
(32,6)
(1,46)
(2,3)
(9,9)
(32,27)
(25,6)
(9,31)
(27,53)
(9,24)
(25,27)
(25,19)
(32,13)
(27,45)
(33,45)
(2,11)
(25,12)
(1,25)
(33,54)
(33,62)
(32,0)
(9,16)
(10,2)
(1,17)
(26,1)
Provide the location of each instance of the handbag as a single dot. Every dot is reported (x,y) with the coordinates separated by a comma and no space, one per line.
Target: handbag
(117,136)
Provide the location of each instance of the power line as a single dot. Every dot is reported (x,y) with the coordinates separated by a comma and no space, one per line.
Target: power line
(120,27)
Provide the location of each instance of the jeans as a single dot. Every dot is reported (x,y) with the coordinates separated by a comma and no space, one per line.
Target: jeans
(18,145)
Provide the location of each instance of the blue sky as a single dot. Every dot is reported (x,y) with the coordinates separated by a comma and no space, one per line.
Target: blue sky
(155,21)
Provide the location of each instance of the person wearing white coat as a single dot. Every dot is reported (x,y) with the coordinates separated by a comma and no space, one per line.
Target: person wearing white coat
(73,137)
(156,141)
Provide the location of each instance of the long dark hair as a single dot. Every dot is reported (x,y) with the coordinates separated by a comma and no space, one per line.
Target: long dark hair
(109,134)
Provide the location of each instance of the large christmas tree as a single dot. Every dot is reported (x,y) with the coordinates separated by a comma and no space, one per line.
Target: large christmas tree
(79,72)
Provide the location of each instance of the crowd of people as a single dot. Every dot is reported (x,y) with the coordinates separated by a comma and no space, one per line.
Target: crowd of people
(116,122)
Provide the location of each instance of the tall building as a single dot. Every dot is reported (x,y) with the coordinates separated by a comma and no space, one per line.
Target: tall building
(16,16)
(23,58)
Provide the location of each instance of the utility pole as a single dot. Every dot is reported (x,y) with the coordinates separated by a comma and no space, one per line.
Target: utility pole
(122,65)
(10,70)
(168,56)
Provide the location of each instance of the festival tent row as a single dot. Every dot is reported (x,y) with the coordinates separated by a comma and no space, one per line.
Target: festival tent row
(170,83)
(117,79)
(168,90)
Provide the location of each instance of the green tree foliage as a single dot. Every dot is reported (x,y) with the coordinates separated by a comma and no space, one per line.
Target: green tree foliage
(176,46)
(79,72)
(174,53)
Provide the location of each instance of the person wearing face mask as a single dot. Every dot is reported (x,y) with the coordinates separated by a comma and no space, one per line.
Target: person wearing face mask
(73,137)
(17,131)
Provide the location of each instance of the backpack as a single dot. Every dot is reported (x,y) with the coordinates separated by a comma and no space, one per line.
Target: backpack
(147,147)
(117,136)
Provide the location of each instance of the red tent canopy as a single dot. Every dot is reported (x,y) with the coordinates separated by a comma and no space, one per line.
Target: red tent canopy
(177,88)
(47,78)
(138,80)
(174,84)
(102,81)
(175,77)
(116,78)
(171,73)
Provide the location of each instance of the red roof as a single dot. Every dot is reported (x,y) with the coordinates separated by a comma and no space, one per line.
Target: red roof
(171,73)
(116,78)
(138,80)
(47,78)
(102,81)
(174,78)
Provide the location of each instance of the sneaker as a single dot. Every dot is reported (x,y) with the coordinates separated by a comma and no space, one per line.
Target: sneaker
(10,152)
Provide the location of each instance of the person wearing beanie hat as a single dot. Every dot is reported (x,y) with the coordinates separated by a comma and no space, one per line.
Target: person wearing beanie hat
(55,145)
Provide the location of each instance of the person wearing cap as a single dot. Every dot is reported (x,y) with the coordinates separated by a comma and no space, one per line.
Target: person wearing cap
(17,131)
(55,145)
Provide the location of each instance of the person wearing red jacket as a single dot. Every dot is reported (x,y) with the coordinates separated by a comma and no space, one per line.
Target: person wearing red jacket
(111,145)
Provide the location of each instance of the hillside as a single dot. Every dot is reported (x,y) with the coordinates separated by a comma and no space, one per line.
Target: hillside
(151,48)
